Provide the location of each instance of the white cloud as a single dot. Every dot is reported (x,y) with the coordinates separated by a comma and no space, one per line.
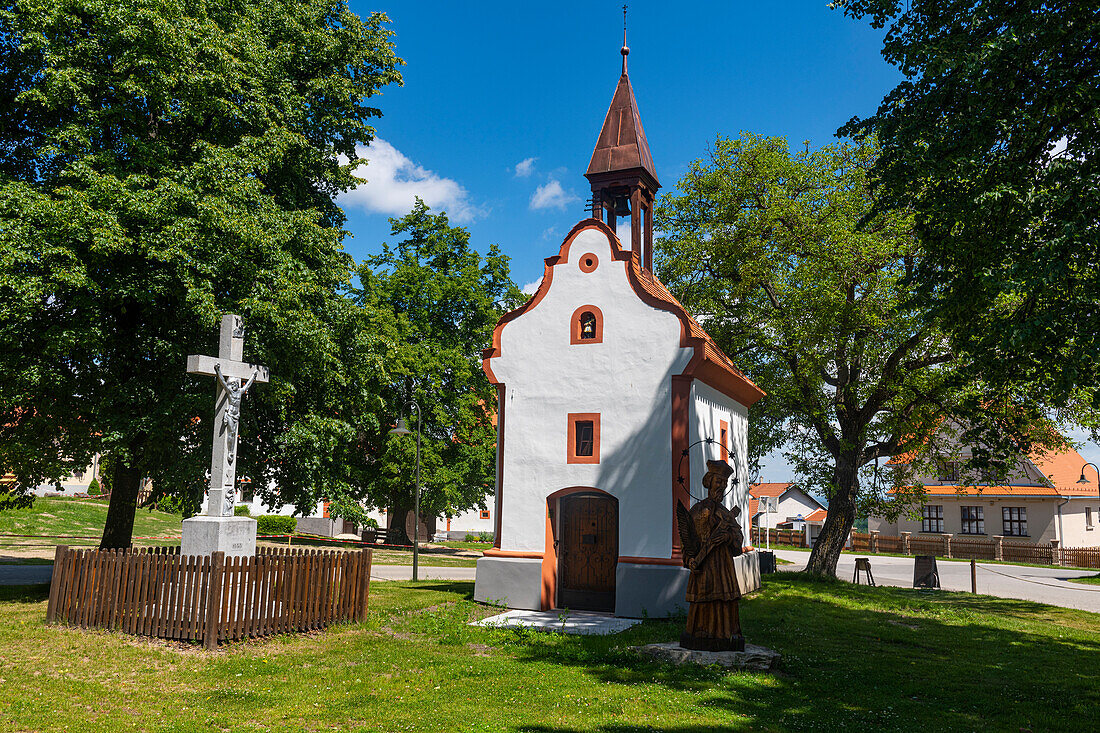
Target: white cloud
(531,287)
(393,182)
(525,167)
(549,233)
(551,195)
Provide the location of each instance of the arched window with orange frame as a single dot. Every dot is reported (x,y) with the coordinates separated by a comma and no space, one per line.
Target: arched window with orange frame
(586,326)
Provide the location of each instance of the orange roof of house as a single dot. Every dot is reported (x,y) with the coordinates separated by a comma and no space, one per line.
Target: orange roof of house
(817,515)
(758,490)
(991,491)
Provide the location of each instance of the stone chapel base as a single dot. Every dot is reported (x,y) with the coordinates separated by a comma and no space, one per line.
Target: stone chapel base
(641,590)
(205,535)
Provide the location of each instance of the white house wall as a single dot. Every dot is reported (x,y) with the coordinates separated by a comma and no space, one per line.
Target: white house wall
(626,379)
(709,408)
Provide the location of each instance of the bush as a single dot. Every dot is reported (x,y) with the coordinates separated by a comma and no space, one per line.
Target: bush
(94,488)
(172,505)
(485,537)
(369,523)
(276,524)
(241,510)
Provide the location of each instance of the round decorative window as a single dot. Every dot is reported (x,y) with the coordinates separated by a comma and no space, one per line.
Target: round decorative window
(588,262)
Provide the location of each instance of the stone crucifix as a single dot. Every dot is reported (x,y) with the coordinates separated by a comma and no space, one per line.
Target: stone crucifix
(234,378)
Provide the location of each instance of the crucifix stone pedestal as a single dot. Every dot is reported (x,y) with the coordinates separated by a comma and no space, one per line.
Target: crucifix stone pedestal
(217,529)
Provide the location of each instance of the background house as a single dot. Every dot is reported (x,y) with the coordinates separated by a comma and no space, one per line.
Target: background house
(1039,501)
(795,509)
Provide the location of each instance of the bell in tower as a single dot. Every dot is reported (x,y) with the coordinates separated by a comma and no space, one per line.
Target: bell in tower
(621,172)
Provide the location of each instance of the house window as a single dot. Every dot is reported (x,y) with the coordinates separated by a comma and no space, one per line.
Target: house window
(1088,517)
(583,436)
(586,326)
(1015,521)
(947,470)
(724,437)
(484,513)
(973,520)
(931,518)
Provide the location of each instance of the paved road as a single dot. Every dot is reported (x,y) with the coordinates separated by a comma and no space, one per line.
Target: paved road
(404,572)
(1045,585)
(32,574)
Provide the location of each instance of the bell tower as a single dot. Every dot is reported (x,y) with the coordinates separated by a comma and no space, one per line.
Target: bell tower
(621,172)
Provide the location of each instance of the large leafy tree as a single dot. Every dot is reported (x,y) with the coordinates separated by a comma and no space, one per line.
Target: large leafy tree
(808,292)
(162,163)
(445,299)
(993,138)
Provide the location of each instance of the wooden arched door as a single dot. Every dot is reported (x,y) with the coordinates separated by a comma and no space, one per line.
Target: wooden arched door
(588,551)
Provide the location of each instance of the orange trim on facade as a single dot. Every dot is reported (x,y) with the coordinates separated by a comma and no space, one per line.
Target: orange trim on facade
(501,391)
(723,437)
(681,400)
(571,437)
(575,325)
(588,262)
(709,364)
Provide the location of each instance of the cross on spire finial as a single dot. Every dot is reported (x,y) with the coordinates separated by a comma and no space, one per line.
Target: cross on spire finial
(625,51)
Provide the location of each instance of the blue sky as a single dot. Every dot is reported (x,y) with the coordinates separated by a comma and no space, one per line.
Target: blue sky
(502,103)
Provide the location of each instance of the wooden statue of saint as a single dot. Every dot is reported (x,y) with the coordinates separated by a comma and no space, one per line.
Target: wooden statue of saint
(711,537)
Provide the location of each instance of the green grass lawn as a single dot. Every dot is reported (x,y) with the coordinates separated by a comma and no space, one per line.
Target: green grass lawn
(855,658)
(58,516)
(1089,580)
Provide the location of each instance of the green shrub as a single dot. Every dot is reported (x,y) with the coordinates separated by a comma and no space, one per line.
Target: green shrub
(173,505)
(241,510)
(369,523)
(485,537)
(276,524)
(94,488)
(470,537)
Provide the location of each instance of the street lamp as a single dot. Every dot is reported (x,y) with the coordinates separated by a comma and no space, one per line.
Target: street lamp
(401,429)
(1084,480)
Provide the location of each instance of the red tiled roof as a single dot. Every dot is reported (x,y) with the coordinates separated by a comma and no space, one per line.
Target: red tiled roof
(1062,468)
(758,490)
(817,515)
(711,351)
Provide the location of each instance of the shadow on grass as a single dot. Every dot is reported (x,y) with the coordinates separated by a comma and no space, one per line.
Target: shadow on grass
(24,593)
(464,588)
(883,658)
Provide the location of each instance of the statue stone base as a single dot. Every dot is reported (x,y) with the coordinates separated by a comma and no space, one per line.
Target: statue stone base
(205,535)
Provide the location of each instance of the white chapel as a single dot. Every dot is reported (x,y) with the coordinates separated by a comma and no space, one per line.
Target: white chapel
(611,399)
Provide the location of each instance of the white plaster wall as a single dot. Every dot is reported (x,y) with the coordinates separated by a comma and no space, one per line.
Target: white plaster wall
(468,523)
(626,378)
(709,408)
(1075,532)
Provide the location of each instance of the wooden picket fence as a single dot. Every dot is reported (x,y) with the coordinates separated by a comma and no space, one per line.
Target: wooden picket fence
(995,548)
(157,592)
(789,537)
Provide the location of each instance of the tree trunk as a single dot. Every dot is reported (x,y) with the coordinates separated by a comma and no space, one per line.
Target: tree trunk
(838,523)
(395,524)
(118,532)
